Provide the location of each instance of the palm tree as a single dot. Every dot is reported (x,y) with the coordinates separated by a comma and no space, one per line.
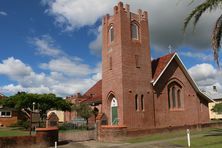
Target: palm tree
(217,30)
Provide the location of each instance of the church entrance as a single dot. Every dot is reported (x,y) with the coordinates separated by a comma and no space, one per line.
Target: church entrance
(114,111)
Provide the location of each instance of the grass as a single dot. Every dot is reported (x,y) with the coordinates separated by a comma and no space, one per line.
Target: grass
(165,136)
(205,138)
(211,139)
(12,131)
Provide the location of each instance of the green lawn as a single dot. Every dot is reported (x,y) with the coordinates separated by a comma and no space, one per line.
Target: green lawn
(211,139)
(205,138)
(12,131)
(166,135)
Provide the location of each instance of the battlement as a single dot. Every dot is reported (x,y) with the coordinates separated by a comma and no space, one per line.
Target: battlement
(139,16)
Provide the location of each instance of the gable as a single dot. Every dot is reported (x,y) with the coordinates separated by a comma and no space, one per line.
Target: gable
(166,61)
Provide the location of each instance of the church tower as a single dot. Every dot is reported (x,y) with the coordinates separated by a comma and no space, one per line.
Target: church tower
(126,69)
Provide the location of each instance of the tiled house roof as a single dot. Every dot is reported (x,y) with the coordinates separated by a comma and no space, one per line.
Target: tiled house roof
(94,94)
(159,64)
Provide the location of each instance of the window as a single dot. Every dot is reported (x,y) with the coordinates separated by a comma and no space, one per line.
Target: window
(5,114)
(178,99)
(134,31)
(142,103)
(175,96)
(110,63)
(111,34)
(136,102)
(137,61)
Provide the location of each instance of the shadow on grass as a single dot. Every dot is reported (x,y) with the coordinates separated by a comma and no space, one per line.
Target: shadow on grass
(214,132)
(64,142)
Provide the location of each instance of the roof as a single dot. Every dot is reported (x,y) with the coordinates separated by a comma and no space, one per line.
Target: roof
(94,94)
(160,65)
(213,95)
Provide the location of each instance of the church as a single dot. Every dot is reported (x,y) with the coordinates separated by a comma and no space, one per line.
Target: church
(138,93)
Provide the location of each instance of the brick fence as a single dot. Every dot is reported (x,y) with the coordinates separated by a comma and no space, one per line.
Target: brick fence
(78,135)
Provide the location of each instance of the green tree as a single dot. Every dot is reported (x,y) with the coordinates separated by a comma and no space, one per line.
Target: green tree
(83,110)
(43,102)
(196,13)
(217,108)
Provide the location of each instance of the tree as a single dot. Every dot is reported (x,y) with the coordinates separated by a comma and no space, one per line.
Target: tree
(43,102)
(217,108)
(217,30)
(83,110)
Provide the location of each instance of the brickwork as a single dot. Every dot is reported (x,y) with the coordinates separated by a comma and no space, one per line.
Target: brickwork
(8,121)
(125,79)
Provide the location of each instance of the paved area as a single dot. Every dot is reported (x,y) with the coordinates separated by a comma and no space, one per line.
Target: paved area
(96,144)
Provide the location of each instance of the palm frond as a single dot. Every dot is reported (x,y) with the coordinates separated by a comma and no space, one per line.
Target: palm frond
(199,10)
(216,39)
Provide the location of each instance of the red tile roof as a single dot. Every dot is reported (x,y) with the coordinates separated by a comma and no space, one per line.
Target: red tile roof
(159,64)
(94,94)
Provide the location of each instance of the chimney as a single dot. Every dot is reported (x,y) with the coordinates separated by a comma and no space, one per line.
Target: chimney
(215,88)
(78,95)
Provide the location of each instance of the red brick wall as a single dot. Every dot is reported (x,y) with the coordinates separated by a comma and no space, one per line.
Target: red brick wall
(7,121)
(191,113)
(125,80)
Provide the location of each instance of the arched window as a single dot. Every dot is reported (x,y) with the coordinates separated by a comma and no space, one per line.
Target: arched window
(142,103)
(111,34)
(175,95)
(136,102)
(134,31)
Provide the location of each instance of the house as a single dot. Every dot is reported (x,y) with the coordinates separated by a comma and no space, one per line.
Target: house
(93,97)
(217,98)
(8,116)
(139,94)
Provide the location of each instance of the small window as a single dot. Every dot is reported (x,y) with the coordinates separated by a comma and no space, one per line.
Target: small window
(178,99)
(5,114)
(137,61)
(136,102)
(110,63)
(111,34)
(174,97)
(134,31)
(142,103)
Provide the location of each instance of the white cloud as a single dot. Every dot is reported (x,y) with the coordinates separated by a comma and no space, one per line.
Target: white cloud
(165,23)
(67,66)
(3,13)
(80,77)
(206,76)
(73,14)
(14,68)
(200,56)
(96,45)
(45,46)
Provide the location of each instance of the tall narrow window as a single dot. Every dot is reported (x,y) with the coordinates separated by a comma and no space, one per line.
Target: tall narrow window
(136,102)
(142,103)
(174,97)
(134,31)
(137,61)
(110,63)
(178,99)
(111,34)
(169,98)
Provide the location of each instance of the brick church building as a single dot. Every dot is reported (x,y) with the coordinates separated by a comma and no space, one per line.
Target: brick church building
(140,93)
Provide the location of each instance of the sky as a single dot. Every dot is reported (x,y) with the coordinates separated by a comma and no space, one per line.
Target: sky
(54,46)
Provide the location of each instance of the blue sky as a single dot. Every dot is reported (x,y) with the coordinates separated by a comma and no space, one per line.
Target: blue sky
(54,46)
